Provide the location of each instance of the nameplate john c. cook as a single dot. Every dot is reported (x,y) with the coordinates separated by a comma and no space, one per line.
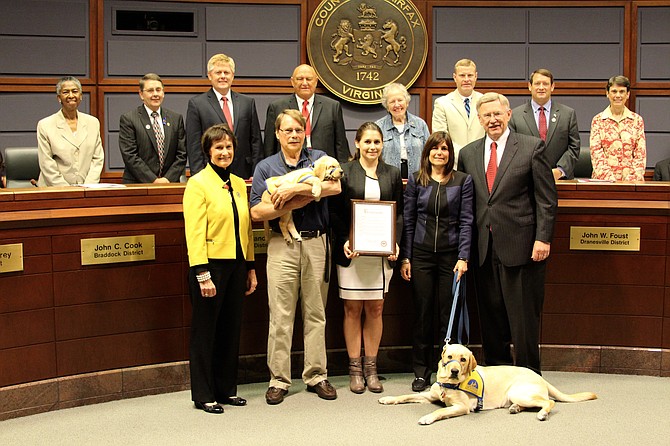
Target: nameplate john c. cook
(358,47)
(604,238)
(135,248)
(372,227)
(11,258)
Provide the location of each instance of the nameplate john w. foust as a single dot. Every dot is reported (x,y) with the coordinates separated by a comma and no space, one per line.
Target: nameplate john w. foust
(135,248)
(604,238)
(357,48)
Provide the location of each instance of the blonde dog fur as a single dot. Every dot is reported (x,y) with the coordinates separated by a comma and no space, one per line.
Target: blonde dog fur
(325,168)
(517,388)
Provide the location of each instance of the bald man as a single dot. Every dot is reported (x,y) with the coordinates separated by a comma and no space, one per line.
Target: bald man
(326,126)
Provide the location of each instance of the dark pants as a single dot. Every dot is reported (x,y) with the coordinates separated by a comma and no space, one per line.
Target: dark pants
(510,300)
(432,277)
(215,331)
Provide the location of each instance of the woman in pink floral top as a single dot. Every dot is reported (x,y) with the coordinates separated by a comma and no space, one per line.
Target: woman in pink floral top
(618,146)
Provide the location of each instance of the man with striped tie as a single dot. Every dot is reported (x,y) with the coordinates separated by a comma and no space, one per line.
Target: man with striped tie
(455,113)
(152,140)
(515,202)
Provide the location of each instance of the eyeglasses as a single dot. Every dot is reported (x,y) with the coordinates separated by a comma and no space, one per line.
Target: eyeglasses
(154,90)
(497,115)
(289,132)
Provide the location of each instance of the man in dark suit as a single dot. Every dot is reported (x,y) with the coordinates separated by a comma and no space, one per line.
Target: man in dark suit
(550,121)
(515,201)
(151,138)
(222,105)
(325,127)
(662,170)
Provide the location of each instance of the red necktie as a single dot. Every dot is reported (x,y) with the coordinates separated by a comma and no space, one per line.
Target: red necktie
(492,168)
(305,114)
(226,113)
(542,125)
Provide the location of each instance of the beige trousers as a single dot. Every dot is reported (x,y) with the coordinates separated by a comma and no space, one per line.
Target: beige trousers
(296,272)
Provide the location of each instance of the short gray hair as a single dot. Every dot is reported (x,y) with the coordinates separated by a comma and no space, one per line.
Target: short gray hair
(59,85)
(492,96)
(394,86)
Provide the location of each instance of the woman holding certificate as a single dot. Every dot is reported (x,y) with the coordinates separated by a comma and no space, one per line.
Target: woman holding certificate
(364,279)
(438,217)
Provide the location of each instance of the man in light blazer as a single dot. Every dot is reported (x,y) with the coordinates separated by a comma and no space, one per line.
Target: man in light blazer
(515,210)
(561,134)
(326,123)
(456,113)
(207,109)
(145,161)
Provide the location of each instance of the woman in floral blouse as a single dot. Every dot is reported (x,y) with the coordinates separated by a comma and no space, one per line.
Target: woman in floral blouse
(618,146)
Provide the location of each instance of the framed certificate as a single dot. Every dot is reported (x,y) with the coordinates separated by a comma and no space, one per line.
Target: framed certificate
(372,230)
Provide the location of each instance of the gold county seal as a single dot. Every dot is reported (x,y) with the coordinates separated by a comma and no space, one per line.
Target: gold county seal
(359,47)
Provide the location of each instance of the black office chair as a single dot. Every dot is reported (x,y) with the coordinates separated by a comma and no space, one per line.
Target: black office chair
(22,168)
(583,167)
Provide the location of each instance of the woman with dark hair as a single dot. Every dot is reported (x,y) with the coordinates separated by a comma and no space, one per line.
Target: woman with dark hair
(618,144)
(437,235)
(364,280)
(221,254)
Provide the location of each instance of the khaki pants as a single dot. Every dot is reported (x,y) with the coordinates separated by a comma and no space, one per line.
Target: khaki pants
(296,272)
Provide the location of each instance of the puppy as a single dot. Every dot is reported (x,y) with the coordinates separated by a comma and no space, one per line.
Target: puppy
(325,168)
(464,387)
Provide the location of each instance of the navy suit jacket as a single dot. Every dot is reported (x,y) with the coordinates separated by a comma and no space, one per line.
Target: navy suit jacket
(205,111)
(563,142)
(137,142)
(522,205)
(328,132)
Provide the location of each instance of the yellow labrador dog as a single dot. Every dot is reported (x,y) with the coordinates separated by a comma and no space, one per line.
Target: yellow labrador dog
(463,388)
(325,168)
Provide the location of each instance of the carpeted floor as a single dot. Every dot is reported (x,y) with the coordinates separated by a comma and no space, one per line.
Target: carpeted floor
(630,410)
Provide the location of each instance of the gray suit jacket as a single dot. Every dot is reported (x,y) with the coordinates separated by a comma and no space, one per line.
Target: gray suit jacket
(328,132)
(204,111)
(137,142)
(662,170)
(522,204)
(562,142)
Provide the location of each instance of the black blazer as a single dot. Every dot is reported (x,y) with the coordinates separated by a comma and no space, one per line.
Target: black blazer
(328,132)
(204,111)
(522,205)
(353,187)
(563,140)
(137,143)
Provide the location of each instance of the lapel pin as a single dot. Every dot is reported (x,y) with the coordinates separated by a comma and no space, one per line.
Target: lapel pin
(553,119)
(148,126)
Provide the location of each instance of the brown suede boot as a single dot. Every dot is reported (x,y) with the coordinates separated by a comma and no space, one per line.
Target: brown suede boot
(356,382)
(370,372)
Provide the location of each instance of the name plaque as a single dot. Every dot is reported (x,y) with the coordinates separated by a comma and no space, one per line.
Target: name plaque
(11,258)
(260,244)
(135,248)
(604,238)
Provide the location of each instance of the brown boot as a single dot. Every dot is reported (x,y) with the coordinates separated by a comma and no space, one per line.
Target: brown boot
(370,372)
(356,381)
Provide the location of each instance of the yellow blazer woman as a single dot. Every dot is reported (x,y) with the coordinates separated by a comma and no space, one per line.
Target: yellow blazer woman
(208,218)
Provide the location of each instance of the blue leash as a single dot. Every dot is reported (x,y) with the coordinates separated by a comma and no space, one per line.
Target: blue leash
(458,293)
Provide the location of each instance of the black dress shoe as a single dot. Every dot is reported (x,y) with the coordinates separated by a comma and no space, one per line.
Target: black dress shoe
(234,401)
(419,385)
(209,407)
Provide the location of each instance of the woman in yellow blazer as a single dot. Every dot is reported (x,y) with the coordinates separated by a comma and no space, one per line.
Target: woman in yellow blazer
(220,254)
